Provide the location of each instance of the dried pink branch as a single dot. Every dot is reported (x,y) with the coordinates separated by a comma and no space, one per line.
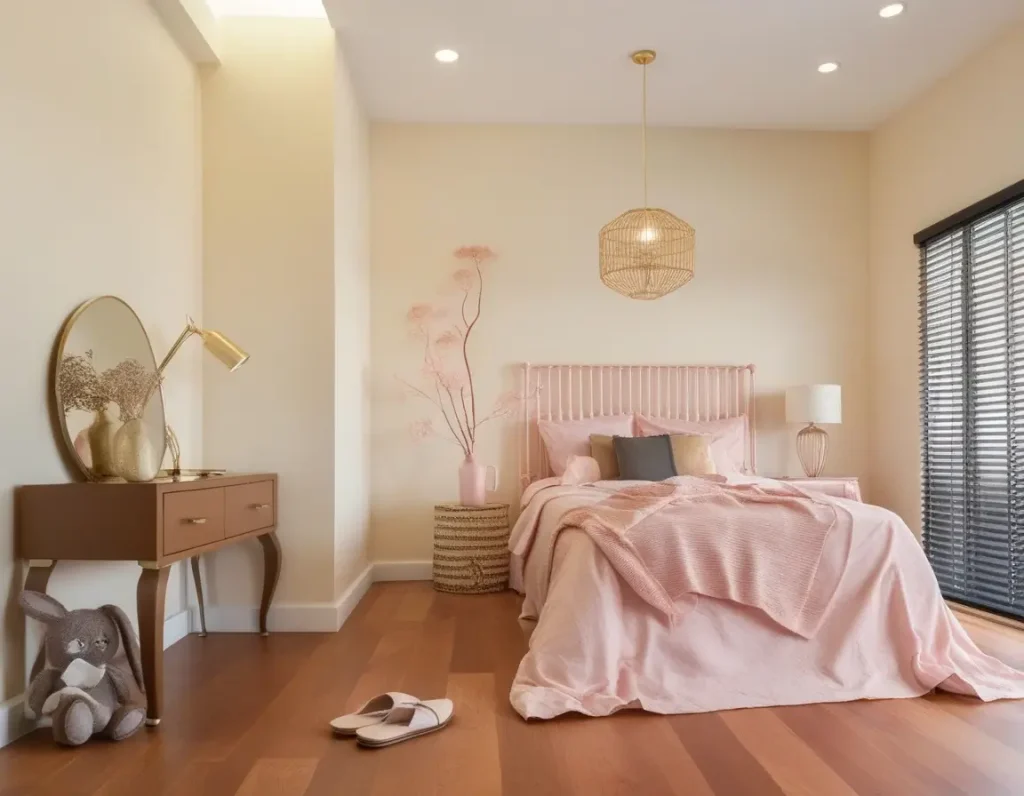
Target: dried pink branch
(480,253)
(421,429)
(452,382)
(464,279)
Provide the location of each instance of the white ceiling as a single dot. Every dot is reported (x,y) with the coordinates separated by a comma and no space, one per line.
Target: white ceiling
(721,63)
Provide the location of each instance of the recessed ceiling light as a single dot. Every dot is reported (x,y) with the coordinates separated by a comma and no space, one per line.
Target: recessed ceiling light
(891,10)
(446,56)
(829,66)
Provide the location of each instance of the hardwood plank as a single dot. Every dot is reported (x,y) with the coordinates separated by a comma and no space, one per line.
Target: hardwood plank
(474,651)
(650,744)
(389,597)
(387,667)
(869,763)
(998,719)
(941,773)
(613,770)
(467,751)
(207,727)
(985,764)
(428,678)
(726,764)
(278,777)
(415,604)
(295,724)
(530,763)
(797,769)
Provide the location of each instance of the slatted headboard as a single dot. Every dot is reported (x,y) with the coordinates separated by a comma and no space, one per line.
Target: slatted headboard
(688,392)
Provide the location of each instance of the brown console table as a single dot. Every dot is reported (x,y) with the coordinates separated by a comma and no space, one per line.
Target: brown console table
(156,524)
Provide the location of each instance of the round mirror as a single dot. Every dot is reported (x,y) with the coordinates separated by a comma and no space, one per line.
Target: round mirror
(109,402)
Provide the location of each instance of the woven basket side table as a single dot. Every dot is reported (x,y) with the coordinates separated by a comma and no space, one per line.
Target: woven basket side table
(471,548)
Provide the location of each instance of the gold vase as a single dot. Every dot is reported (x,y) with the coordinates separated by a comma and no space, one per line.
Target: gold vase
(134,458)
(101,444)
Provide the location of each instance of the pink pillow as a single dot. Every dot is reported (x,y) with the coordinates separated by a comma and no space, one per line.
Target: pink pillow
(581,470)
(565,438)
(728,437)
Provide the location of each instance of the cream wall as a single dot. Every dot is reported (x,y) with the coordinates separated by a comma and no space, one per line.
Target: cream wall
(781,278)
(351,331)
(287,276)
(960,142)
(100,192)
(268,144)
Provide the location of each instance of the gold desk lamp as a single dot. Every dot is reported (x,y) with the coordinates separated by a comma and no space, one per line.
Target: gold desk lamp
(226,351)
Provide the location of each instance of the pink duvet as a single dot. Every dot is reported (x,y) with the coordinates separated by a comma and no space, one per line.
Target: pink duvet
(693,595)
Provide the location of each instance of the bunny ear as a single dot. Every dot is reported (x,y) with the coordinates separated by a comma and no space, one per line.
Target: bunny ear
(42,607)
(129,641)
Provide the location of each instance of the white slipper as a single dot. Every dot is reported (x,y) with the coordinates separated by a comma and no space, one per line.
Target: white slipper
(373,712)
(407,721)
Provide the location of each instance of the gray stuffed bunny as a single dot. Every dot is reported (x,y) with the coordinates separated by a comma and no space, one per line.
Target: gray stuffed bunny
(81,687)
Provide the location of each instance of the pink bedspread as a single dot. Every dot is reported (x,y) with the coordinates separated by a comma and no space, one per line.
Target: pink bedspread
(691,596)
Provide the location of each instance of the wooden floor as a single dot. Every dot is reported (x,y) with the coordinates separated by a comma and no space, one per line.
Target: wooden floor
(247,715)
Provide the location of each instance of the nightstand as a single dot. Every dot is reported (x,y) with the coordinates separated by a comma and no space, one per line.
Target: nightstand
(843,487)
(471,553)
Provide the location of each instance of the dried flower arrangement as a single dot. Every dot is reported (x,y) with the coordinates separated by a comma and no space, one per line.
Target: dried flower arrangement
(79,385)
(129,384)
(447,370)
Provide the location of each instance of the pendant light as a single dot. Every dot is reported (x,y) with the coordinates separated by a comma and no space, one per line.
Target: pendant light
(646,253)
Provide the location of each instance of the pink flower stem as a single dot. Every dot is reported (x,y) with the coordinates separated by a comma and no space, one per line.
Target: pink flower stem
(465,413)
(440,407)
(465,338)
(467,446)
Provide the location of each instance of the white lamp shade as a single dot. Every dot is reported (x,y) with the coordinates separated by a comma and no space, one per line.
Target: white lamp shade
(814,403)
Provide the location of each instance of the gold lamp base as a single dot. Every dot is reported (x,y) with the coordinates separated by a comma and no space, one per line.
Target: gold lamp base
(812,448)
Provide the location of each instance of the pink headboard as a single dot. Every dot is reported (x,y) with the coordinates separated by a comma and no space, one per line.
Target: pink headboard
(688,392)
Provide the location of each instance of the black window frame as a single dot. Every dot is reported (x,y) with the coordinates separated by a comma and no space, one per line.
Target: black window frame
(963,319)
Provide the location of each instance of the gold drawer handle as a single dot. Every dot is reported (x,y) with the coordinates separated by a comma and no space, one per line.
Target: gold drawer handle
(196,521)
(260,506)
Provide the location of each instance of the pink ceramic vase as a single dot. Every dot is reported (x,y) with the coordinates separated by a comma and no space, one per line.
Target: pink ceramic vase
(473,486)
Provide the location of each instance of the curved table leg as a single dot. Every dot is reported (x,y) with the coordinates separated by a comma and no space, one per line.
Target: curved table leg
(38,577)
(149,598)
(271,572)
(199,595)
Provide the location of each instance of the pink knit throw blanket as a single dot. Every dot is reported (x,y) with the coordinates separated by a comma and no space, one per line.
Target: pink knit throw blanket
(757,545)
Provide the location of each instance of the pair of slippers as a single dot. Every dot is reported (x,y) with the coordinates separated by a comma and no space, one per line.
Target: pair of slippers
(392,718)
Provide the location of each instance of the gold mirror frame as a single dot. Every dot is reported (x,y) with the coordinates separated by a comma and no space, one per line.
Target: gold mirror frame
(58,403)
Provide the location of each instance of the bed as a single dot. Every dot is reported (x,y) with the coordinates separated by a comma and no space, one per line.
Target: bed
(714,593)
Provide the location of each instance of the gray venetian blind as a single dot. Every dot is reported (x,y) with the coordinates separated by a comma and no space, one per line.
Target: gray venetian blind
(972,408)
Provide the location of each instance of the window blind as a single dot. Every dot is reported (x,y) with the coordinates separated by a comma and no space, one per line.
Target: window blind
(972,407)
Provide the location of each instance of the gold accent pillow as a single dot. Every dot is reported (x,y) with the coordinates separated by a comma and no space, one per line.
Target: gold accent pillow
(691,454)
(602,449)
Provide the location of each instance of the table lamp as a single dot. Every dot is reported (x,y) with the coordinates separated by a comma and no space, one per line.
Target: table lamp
(217,344)
(813,404)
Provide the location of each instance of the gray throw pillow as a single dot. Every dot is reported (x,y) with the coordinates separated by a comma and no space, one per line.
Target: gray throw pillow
(645,458)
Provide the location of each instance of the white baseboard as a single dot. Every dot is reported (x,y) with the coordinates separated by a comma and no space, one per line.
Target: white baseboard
(353,594)
(13,723)
(176,627)
(287,617)
(402,570)
(310,617)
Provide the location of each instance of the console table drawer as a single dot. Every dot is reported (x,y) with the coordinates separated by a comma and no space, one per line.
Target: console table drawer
(193,519)
(250,507)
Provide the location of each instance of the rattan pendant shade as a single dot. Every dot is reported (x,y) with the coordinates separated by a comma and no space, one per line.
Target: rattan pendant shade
(646,253)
